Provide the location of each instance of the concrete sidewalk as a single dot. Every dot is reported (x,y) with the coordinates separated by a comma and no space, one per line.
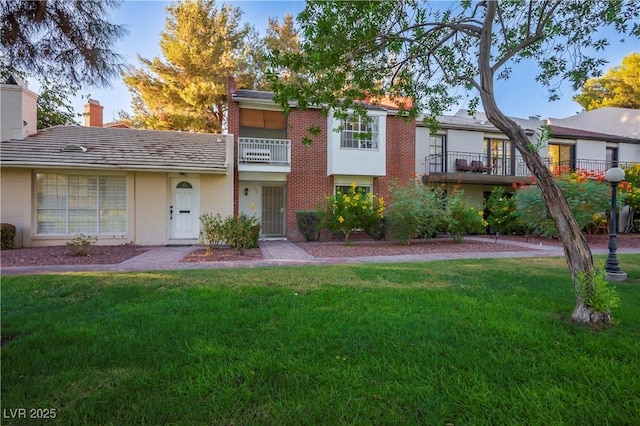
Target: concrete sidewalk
(282,253)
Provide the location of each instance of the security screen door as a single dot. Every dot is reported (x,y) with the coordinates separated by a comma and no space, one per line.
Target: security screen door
(273,211)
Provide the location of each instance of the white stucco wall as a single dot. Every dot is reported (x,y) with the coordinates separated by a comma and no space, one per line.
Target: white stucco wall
(364,162)
(629,152)
(151,208)
(591,150)
(465,141)
(422,149)
(15,203)
(17,107)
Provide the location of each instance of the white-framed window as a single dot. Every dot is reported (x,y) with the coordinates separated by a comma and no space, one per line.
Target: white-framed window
(74,204)
(360,133)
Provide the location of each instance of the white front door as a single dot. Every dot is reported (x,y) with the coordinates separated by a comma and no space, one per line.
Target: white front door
(184,209)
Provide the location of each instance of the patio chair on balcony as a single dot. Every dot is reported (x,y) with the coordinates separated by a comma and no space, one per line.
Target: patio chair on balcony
(463,166)
(479,166)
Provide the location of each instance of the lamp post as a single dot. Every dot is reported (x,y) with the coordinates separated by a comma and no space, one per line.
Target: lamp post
(614,176)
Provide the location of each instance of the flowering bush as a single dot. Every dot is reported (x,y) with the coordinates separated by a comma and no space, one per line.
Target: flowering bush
(631,187)
(586,193)
(463,218)
(416,211)
(344,212)
(502,213)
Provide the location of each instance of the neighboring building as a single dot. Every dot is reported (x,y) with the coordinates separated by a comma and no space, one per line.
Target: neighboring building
(277,175)
(122,185)
(471,152)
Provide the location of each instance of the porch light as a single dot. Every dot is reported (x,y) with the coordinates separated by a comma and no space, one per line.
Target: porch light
(246,191)
(614,176)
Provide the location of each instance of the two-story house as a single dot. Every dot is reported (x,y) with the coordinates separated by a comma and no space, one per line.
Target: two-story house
(277,175)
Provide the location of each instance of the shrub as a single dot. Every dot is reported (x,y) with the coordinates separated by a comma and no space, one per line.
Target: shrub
(309,224)
(212,233)
(502,215)
(242,232)
(596,291)
(585,196)
(463,218)
(378,231)
(81,245)
(7,236)
(416,211)
(342,213)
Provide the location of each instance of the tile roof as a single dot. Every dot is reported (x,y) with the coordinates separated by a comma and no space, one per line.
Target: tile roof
(117,149)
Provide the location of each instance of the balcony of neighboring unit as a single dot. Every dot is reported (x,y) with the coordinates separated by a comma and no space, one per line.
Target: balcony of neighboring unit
(264,155)
(468,167)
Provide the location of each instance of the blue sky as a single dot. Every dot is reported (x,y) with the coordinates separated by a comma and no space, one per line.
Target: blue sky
(520,96)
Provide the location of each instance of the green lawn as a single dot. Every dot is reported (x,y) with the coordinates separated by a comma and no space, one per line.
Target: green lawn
(461,342)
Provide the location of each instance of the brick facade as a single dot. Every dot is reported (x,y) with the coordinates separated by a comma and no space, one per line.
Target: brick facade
(401,151)
(233,128)
(308,183)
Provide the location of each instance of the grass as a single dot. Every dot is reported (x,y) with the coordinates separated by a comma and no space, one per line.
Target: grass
(461,342)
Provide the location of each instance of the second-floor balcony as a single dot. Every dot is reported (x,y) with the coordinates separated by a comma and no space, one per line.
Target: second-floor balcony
(264,155)
(481,168)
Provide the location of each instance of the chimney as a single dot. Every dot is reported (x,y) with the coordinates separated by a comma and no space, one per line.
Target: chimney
(18,106)
(93,113)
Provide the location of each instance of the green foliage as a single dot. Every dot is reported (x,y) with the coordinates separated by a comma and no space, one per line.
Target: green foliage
(54,108)
(378,231)
(281,39)
(502,214)
(309,224)
(7,236)
(618,87)
(241,232)
(463,218)
(212,234)
(401,50)
(186,90)
(344,212)
(596,291)
(416,211)
(81,245)
(543,138)
(588,199)
(632,186)
(70,42)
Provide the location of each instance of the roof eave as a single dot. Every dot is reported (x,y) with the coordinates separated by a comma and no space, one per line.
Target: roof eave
(109,167)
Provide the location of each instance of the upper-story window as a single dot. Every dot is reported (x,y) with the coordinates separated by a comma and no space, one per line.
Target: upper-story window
(360,133)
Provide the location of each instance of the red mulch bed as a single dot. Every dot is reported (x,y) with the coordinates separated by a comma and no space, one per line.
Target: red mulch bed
(59,255)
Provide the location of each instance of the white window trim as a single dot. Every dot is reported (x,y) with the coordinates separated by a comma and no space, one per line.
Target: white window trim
(362,128)
(67,209)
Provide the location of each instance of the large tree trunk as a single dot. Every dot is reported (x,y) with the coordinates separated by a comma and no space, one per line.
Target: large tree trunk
(576,250)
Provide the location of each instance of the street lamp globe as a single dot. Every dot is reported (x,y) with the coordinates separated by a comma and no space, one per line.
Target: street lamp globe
(614,175)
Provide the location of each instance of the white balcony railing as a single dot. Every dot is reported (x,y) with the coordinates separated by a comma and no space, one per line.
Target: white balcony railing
(263,151)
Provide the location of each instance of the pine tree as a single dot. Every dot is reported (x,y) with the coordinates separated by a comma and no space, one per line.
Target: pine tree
(202,45)
(66,41)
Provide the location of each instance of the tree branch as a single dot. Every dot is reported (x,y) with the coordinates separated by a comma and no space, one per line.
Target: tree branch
(543,21)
